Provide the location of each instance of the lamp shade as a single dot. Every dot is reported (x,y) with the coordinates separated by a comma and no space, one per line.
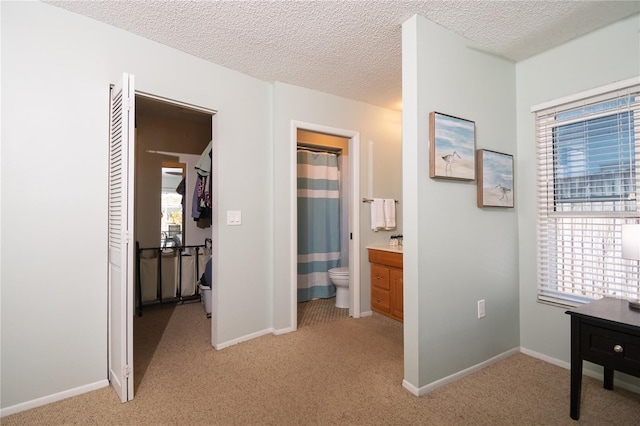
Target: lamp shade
(631,242)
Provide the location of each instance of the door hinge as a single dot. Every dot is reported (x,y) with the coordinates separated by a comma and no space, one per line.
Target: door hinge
(126,371)
(126,236)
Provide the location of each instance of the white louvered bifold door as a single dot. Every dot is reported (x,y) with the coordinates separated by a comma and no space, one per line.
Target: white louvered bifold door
(121,204)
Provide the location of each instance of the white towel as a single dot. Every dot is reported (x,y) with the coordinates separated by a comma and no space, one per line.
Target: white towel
(377,214)
(389,213)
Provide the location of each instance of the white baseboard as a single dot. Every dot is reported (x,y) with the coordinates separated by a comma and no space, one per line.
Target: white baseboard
(585,371)
(545,358)
(244,338)
(457,376)
(39,402)
(273,331)
(408,386)
(283,331)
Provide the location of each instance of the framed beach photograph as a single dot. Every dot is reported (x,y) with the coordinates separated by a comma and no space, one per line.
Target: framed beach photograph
(452,148)
(495,179)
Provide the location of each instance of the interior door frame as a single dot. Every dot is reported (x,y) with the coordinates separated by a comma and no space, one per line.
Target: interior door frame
(127,313)
(354,214)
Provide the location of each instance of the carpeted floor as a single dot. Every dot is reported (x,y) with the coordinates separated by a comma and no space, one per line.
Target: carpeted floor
(346,372)
(147,333)
(319,310)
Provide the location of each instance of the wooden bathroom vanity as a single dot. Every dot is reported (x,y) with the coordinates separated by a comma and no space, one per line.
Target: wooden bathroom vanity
(386,281)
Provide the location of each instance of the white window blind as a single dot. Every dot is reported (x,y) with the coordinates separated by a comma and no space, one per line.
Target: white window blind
(588,162)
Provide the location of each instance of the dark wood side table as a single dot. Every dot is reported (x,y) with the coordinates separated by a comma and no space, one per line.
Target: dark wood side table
(605,332)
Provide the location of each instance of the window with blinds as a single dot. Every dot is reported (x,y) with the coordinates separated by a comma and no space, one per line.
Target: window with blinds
(588,158)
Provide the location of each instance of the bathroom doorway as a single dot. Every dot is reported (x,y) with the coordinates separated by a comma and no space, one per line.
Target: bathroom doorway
(312,302)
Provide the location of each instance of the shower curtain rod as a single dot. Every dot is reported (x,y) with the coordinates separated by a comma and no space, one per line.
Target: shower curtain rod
(370,200)
(320,149)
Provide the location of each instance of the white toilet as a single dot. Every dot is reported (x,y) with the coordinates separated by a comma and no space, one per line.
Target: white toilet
(340,278)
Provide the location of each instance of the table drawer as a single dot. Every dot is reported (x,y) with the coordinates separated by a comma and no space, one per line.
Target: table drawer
(612,348)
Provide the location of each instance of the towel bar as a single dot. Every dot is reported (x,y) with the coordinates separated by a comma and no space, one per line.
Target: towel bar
(369,200)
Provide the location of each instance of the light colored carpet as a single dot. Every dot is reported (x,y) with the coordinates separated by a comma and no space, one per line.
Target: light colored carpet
(319,310)
(340,372)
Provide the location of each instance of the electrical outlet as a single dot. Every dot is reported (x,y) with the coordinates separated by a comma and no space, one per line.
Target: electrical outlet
(481,308)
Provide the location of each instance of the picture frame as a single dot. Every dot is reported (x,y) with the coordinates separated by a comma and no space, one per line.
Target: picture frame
(495,179)
(452,148)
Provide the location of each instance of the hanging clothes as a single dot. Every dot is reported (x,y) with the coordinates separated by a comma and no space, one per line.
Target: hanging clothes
(201,205)
(203,166)
(180,189)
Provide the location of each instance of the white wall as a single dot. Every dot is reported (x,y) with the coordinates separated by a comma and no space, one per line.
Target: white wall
(57,66)
(56,71)
(455,253)
(377,125)
(599,58)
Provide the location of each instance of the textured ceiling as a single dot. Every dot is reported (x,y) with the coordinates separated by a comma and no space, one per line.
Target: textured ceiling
(346,48)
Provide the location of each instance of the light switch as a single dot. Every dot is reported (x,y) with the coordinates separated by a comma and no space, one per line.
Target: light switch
(234,217)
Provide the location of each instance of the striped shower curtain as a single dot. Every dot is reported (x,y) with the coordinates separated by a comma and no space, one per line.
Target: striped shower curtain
(318,223)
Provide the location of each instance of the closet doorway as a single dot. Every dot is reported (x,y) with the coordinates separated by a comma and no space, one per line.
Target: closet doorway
(170,140)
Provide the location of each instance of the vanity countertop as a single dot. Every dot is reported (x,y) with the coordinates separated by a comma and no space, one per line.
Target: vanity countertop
(386,247)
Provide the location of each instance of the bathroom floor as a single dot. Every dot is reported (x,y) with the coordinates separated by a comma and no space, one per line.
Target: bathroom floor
(319,310)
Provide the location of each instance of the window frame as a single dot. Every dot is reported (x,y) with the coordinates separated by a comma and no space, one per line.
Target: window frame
(565,235)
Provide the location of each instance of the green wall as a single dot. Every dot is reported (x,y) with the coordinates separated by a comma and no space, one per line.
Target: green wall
(455,253)
(596,59)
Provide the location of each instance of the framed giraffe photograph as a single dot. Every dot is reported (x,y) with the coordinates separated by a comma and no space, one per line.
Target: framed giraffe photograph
(495,179)
(452,147)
